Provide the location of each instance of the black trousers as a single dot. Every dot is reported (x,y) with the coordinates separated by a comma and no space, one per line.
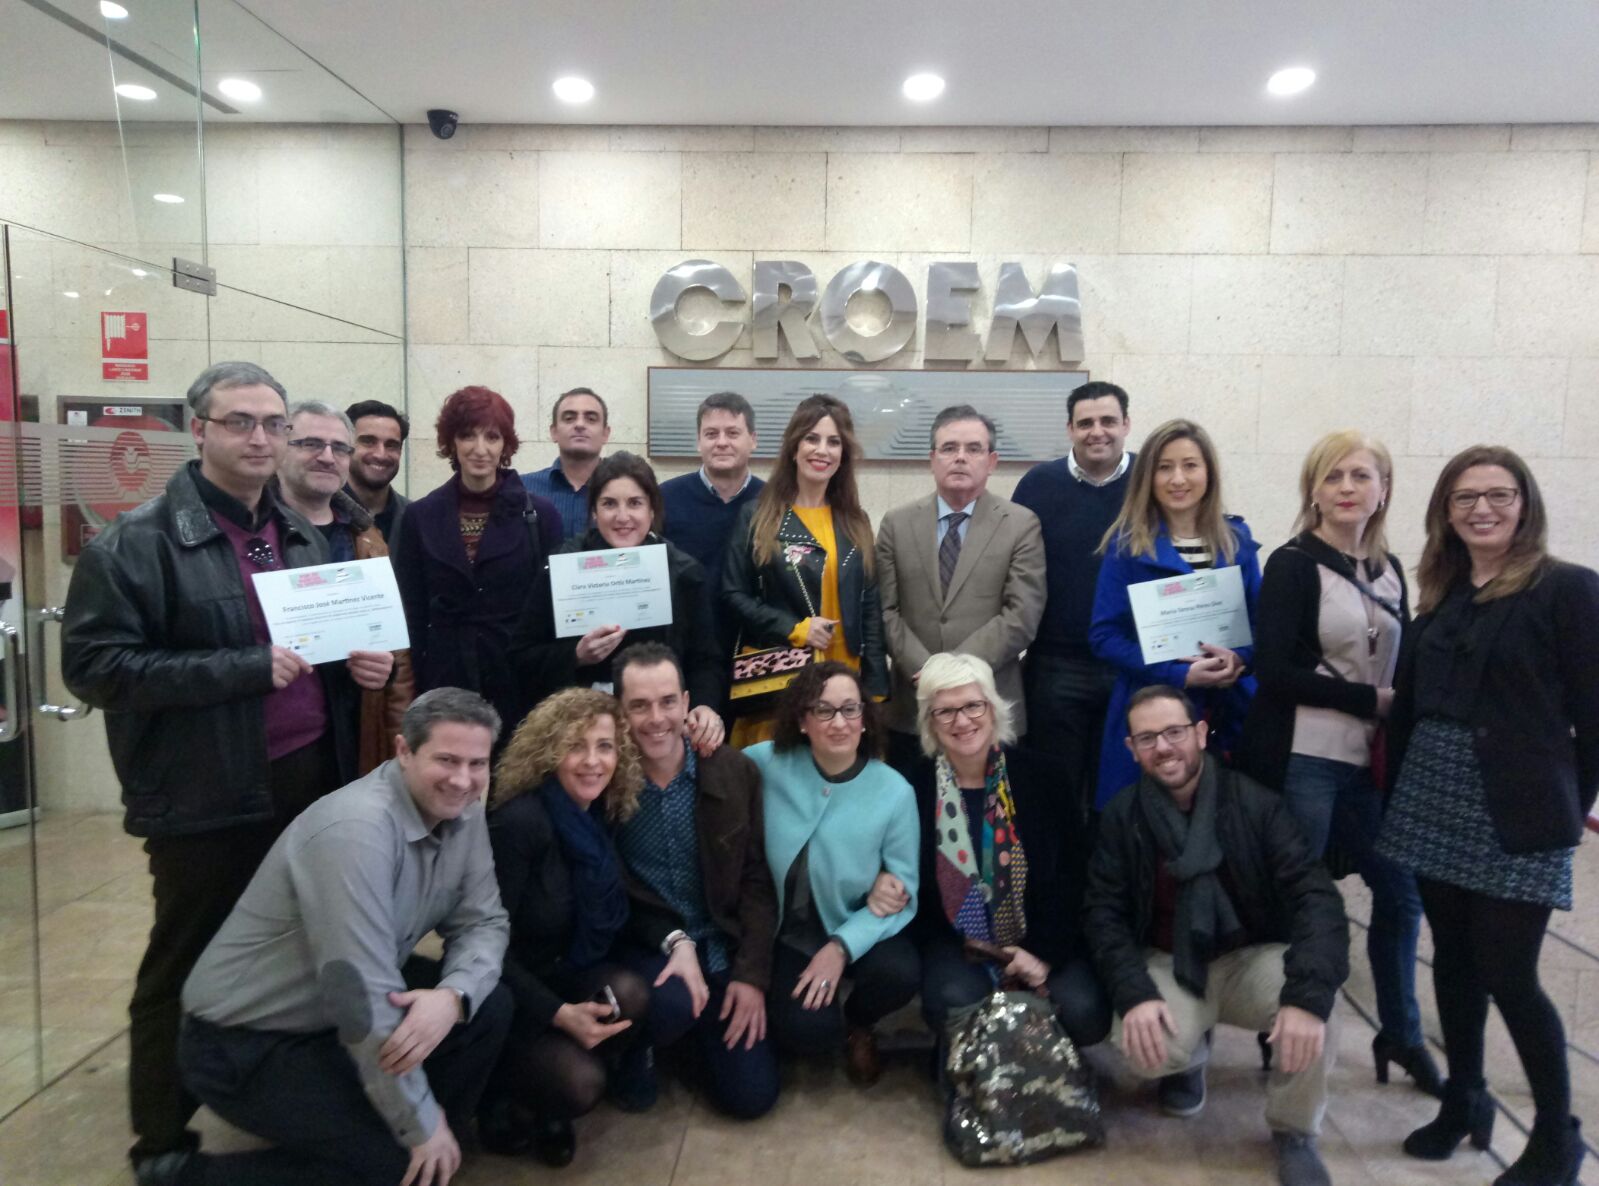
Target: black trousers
(883,980)
(303,1093)
(1488,948)
(197,879)
(950,982)
(1066,703)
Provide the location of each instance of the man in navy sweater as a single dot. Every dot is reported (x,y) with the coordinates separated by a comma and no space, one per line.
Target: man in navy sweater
(1076,498)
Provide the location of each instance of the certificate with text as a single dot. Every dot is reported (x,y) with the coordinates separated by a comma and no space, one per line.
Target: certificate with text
(1176,614)
(626,587)
(324,612)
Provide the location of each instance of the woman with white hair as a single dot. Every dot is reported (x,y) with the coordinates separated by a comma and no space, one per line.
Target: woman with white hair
(1003,860)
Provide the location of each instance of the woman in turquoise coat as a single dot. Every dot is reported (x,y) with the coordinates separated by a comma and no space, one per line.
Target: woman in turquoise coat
(1171,524)
(836,816)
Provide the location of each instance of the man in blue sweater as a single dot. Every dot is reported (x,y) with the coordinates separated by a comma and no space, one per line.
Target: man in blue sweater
(1076,498)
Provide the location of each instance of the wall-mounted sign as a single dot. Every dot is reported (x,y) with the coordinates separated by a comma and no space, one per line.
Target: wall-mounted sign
(786,303)
(140,443)
(124,347)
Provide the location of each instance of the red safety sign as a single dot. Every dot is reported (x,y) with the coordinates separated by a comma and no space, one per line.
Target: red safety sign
(124,347)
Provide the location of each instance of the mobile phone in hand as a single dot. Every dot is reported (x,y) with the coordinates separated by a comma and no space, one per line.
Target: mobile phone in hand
(608,998)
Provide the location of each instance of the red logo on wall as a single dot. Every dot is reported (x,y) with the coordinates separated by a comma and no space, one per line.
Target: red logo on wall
(124,347)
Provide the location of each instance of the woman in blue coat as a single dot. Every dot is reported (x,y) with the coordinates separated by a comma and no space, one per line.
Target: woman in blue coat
(1171,524)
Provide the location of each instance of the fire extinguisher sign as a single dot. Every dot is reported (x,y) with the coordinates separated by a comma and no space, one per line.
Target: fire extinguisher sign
(124,347)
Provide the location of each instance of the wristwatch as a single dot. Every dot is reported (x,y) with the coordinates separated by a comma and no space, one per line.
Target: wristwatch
(669,944)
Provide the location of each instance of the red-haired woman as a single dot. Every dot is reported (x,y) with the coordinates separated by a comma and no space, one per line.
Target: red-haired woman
(470,552)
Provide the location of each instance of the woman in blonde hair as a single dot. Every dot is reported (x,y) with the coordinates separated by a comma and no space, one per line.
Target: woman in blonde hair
(1333,605)
(570,763)
(799,570)
(1495,729)
(1172,523)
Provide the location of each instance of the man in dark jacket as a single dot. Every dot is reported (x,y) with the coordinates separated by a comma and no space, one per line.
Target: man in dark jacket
(219,738)
(704,908)
(1204,906)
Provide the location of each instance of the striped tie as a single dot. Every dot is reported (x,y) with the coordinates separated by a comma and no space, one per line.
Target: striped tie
(949,552)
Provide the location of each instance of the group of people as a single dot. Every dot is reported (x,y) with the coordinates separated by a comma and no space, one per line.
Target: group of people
(974,781)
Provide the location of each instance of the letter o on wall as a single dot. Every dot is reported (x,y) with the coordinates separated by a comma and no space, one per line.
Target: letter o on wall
(869,276)
(669,328)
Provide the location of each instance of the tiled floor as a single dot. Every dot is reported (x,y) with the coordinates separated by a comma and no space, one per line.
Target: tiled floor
(95,909)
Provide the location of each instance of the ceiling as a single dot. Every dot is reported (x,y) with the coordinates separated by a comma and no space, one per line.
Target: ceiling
(831,62)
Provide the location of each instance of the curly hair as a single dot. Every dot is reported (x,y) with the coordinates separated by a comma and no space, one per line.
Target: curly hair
(475,407)
(554,729)
(795,703)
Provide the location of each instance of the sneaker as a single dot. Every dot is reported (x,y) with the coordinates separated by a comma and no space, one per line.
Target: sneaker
(1183,1094)
(1298,1162)
(633,1085)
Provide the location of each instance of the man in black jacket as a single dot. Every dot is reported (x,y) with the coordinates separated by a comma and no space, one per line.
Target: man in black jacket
(219,738)
(1204,906)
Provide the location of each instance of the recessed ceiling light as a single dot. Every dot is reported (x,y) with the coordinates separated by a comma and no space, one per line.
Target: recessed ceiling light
(1291,81)
(70,293)
(573,89)
(923,87)
(240,89)
(113,12)
(139,272)
(170,199)
(132,90)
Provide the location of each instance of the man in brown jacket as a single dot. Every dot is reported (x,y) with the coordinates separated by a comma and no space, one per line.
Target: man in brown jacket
(311,480)
(704,908)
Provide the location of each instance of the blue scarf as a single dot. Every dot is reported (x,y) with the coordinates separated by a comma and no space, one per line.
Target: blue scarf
(599,903)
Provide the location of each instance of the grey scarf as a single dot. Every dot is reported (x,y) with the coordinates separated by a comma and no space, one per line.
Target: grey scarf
(1205,917)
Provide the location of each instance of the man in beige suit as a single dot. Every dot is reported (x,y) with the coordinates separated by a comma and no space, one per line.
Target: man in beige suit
(959,570)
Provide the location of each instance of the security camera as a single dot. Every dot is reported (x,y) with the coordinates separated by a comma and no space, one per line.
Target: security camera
(443,122)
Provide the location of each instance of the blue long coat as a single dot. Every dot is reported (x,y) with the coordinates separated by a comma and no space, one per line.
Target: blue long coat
(1114,639)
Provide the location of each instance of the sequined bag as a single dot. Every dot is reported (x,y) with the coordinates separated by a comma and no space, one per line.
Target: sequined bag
(1020,1091)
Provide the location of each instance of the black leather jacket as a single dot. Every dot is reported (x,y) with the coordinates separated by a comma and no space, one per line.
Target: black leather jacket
(769,600)
(1282,895)
(157,634)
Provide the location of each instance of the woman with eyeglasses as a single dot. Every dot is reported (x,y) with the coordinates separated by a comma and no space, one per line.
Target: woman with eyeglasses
(1495,730)
(1333,605)
(1173,523)
(1004,859)
(800,568)
(836,815)
(469,554)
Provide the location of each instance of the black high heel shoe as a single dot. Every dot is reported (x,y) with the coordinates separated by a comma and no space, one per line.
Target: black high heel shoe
(554,1142)
(1466,1112)
(1415,1061)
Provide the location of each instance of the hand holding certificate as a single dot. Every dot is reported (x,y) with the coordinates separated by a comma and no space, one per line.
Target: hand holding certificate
(1191,614)
(326,612)
(626,587)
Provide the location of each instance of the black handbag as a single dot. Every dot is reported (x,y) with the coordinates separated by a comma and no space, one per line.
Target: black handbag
(1019,1090)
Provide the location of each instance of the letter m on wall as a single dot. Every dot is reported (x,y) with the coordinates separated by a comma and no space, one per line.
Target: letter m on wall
(1058,307)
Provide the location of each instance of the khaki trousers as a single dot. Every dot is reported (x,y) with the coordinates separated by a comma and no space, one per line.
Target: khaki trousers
(1242,989)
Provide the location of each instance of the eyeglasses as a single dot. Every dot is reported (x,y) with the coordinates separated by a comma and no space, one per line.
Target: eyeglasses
(972,710)
(315,445)
(850,710)
(242,424)
(1498,496)
(955,449)
(1171,735)
(259,553)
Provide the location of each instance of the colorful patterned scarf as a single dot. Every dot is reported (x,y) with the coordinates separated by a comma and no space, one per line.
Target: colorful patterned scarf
(981,888)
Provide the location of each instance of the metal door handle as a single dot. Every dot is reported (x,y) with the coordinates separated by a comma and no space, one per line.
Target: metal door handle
(62,712)
(12,725)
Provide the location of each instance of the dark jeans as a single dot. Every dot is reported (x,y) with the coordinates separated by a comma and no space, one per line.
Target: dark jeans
(197,879)
(741,1082)
(1338,801)
(949,983)
(884,979)
(1488,947)
(303,1092)
(1066,703)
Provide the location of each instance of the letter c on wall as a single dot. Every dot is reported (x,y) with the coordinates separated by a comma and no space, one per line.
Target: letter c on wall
(669,289)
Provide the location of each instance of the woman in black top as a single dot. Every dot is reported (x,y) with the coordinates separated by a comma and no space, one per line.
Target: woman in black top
(561,883)
(1328,622)
(1496,729)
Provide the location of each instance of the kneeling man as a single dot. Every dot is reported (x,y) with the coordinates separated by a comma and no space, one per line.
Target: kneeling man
(1204,906)
(300,1025)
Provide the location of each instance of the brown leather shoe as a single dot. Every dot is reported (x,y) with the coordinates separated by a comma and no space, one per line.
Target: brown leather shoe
(861,1063)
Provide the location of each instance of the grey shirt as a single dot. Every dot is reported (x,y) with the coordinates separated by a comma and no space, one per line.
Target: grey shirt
(317,940)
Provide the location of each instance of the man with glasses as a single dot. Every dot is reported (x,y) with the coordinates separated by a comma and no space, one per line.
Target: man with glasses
(959,569)
(1205,906)
(219,738)
(380,433)
(311,480)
